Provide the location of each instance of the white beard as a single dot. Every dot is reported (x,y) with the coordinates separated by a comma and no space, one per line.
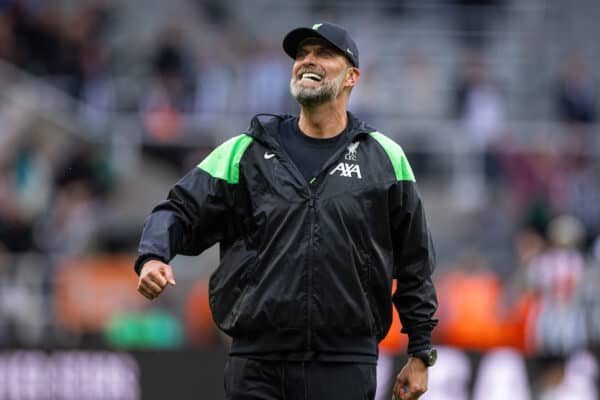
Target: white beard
(310,97)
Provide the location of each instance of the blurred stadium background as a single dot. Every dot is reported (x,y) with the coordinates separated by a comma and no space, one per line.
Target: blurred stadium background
(105,104)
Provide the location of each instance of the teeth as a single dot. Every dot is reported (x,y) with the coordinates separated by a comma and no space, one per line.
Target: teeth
(310,75)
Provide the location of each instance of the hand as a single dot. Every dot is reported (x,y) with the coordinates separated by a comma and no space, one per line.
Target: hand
(411,382)
(154,277)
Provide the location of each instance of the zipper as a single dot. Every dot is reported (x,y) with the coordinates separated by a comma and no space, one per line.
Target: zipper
(372,312)
(313,186)
(312,218)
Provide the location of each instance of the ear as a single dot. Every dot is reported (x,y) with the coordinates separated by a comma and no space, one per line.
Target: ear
(352,77)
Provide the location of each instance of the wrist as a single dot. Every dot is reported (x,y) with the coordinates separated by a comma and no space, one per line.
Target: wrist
(149,263)
(144,259)
(427,357)
(417,362)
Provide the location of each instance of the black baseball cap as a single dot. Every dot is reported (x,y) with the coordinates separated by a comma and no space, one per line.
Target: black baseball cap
(334,34)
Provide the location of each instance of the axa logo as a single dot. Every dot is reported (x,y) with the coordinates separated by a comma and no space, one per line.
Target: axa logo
(351,154)
(347,170)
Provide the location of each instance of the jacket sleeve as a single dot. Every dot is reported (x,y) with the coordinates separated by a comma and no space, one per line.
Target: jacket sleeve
(414,262)
(197,211)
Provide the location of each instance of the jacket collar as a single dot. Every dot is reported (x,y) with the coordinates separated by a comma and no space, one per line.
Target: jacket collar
(265,127)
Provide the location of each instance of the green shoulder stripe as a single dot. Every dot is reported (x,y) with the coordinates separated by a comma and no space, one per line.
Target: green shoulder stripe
(224,161)
(399,161)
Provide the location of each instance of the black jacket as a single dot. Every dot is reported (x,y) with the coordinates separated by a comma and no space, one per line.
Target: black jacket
(305,266)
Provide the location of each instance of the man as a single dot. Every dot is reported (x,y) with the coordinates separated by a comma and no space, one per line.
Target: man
(315,216)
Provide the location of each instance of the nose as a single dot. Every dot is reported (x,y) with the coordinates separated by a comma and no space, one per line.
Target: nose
(308,58)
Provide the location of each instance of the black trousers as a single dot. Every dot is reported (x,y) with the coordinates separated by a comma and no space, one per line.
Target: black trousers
(250,379)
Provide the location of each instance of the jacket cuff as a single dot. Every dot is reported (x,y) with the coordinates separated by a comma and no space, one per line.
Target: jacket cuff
(419,341)
(142,258)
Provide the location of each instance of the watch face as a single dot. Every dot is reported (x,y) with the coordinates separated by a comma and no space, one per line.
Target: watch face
(429,357)
(432,357)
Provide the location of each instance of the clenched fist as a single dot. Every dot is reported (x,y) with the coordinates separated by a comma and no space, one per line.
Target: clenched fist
(154,277)
(411,382)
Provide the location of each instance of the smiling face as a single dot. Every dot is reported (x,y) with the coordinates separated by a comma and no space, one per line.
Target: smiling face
(320,73)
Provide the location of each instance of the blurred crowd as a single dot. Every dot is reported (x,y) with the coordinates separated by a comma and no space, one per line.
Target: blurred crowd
(531,205)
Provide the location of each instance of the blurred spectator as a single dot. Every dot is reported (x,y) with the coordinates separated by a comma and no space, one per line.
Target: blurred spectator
(15,224)
(590,298)
(559,326)
(576,95)
(519,300)
(528,244)
(480,108)
(75,211)
(168,95)
(479,104)
(168,98)
(73,218)
(25,189)
(537,180)
(96,90)
(25,307)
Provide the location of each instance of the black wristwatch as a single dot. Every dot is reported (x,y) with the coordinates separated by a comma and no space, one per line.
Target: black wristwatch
(428,356)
